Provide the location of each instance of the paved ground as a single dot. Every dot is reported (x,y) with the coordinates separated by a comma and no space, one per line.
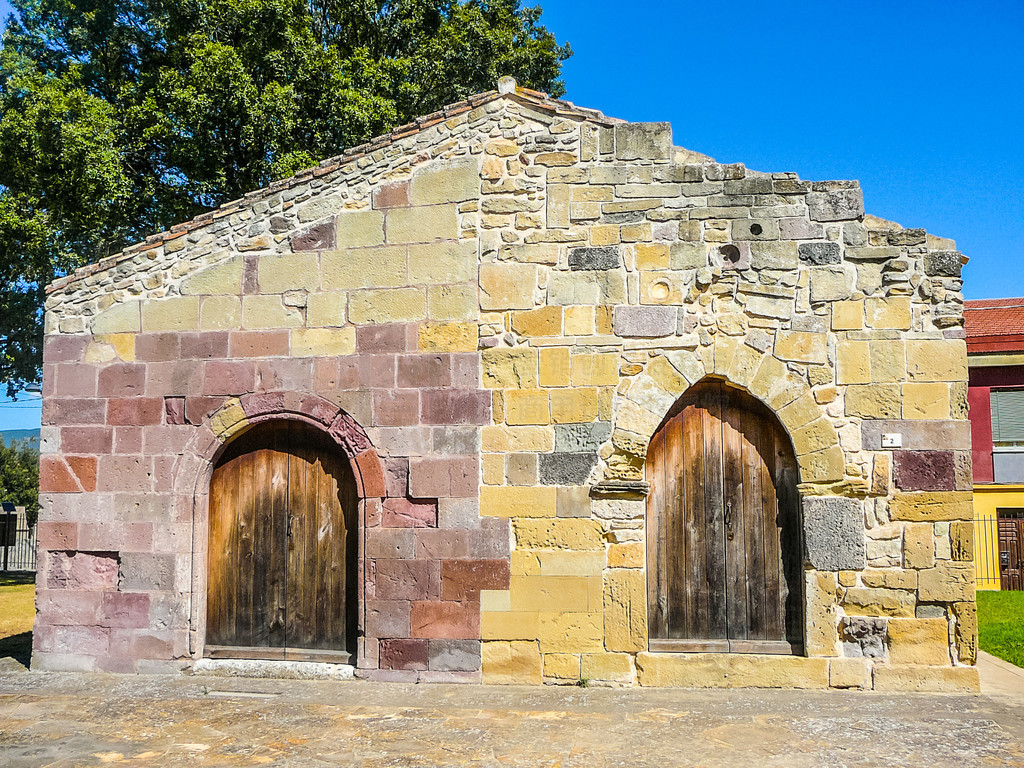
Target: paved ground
(84,720)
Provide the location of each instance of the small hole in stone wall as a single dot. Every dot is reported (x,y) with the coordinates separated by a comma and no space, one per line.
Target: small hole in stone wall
(756,229)
(661,290)
(730,254)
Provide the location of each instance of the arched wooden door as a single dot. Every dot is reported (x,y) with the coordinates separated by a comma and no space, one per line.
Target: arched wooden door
(283,551)
(723,528)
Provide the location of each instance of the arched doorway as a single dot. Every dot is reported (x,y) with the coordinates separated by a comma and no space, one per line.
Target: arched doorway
(723,527)
(282,550)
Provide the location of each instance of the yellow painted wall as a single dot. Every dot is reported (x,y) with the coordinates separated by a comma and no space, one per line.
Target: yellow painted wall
(988,498)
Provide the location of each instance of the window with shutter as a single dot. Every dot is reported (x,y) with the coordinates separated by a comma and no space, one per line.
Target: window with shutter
(1008,417)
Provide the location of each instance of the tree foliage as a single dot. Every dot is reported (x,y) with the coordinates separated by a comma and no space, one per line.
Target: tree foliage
(119,118)
(19,477)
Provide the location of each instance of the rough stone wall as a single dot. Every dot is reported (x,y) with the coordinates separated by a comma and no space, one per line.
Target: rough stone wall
(504,306)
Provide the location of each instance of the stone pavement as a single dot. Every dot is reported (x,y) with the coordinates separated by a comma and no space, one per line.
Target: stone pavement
(61,719)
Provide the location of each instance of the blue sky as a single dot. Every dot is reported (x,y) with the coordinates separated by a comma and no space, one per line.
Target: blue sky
(923,102)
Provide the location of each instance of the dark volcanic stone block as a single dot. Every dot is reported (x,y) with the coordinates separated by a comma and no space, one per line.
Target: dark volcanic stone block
(603,257)
(820,253)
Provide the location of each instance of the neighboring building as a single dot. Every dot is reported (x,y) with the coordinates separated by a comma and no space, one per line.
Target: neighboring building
(995,359)
(518,393)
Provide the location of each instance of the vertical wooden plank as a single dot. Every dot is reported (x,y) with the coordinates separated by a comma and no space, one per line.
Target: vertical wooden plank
(656,544)
(223,487)
(772,477)
(791,541)
(714,514)
(263,544)
(675,555)
(733,489)
(277,567)
(753,529)
(349,588)
(297,634)
(695,576)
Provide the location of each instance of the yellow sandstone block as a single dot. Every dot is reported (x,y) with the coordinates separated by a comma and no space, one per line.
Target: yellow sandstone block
(448,337)
(558,533)
(509,625)
(322,309)
(578,321)
(554,367)
(444,262)
(508,286)
(801,347)
(180,313)
(847,315)
(625,610)
(919,641)
(229,420)
(595,370)
(495,600)
(574,405)
(853,362)
(323,342)
(122,343)
(220,313)
(364,268)
(890,313)
(629,554)
(931,506)
(937,360)
(288,272)
(421,224)
(550,593)
(527,406)
(546,321)
(604,234)
(724,670)
(399,305)
(849,673)
(525,563)
(562,563)
(927,679)
(517,501)
(888,361)
(652,256)
(502,439)
(515,663)
(222,278)
(118,318)
(453,302)
(562,666)
(925,400)
(509,368)
(566,631)
(608,667)
(493,468)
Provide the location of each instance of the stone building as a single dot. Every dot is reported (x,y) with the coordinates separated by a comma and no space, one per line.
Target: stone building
(518,393)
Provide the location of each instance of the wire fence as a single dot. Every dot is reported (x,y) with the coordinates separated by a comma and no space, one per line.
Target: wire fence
(17,540)
(986,551)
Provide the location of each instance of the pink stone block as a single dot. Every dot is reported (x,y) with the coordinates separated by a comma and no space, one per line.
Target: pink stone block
(181,377)
(124,610)
(174,410)
(396,477)
(81,570)
(463,579)
(57,535)
(198,409)
(376,339)
(228,377)
(128,439)
(403,653)
(60,348)
(55,476)
(445,619)
(407,513)
(68,607)
(128,474)
(284,373)
(403,579)
(396,407)
(75,380)
(259,343)
(456,406)
(64,411)
(122,380)
(466,370)
(394,195)
(376,370)
(157,347)
(424,371)
(94,439)
(447,476)
(204,346)
(371,474)
(135,411)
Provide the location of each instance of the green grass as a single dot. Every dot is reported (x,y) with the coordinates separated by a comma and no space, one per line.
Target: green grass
(17,612)
(1001,625)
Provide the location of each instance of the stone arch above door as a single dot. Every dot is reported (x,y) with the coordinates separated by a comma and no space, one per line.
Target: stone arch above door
(652,393)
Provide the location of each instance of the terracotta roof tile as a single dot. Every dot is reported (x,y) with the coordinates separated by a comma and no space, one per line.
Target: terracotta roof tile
(994,325)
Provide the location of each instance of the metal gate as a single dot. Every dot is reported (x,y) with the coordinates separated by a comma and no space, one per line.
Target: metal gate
(17,540)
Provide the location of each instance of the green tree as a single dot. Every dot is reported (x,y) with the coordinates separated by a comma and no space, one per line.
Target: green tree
(19,477)
(119,118)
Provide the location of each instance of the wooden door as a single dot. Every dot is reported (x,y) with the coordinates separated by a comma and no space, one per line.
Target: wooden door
(723,528)
(282,551)
(1011,549)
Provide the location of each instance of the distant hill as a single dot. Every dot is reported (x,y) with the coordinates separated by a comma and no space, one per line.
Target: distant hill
(8,436)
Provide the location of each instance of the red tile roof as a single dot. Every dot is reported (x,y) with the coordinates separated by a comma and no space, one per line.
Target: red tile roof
(994,325)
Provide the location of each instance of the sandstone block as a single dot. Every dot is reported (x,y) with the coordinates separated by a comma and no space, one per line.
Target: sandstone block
(517,501)
(836,205)
(448,181)
(320,342)
(527,406)
(453,302)
(834,533)
(573,405)
(179,313)
(510,625)
(966,634)
(853,360)
(562,666)
(364,268)
(625,610)
(560,533)
(399,305)
(643,141)
(217,313)
(444,262)
(937,360)
(848,316)
(448,337)
(360,228)
(924,470)
(859,601)
(919,641)
(554,367)
(801,347)
(832,283)
(222,278)
(568,631)
(421,224)
(514,663)
(931,506)
(849,673)
(918,545)
(552,594)
(586,287)
(608,667)
(509,368)
(289,271)
(644,321)
(504,439)
(629,554)
(594,370)
(926,679)
(508,286)
(873,401)
(118,318)
(706,670)
(947,582)
(892,312)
